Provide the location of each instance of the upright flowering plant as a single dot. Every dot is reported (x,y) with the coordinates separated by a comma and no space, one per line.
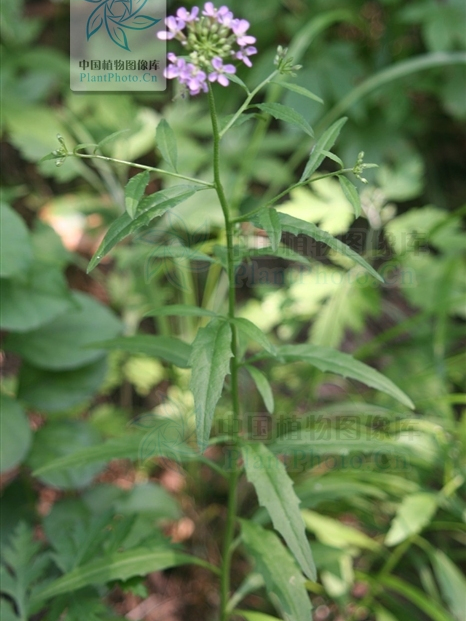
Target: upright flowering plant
(213,40)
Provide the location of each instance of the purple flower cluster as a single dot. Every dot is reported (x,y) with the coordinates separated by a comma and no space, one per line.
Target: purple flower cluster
(210,37)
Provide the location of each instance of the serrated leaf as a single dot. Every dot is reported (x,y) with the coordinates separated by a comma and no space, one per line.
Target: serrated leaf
(268,220)
(134,191)
(210,361)
(452,583)
(263,386)
(297,227)
(275,492)
(330,360)
(180,310)
(253,332)
(352,194)
(282,578)
(166,143)
(325,143)
(118,566)
(415,512)
(287,114)
(300,90)
(167,348)
(151,207)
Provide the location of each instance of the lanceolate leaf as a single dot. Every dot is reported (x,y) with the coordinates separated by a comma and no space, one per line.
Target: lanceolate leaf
(415,512)
(275,492)
(154,442)
(210,361)
(149,208)
(253,332)
(167,348)
(134,191)
(263,387)
(268,220)
(452,583)
(300,90)
(352,194)
(297,227)
(325,143)
(180,252)
(330,360)
(281,575)
(166,143)
(118,566)
(287,114)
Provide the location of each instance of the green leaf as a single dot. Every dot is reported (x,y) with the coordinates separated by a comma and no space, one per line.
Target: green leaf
(179,252)
(118,566)
(166,143)
(325,143)
(234,78)
(433,610)
(38,299)
(62,344)
(333,533)
(15,249)
(151,207)
(162,439)
(287,114)
(283,579)
(60,438)
(263,387)
(253,332)
(180,310)
(351,193)
(110,138)
(255,616)
(330,360)
(210,362)
(134,191)
(300,90)
(282,253)
(414,513)
(57,391)
(275,492)
(297,227)
(15,437)
(452,583)
(167,348)
(268,220)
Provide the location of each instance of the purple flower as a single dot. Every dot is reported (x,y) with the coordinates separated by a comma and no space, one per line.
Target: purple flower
(220,71)
(174,25)
(187,16)
(218,14)
(239,27)
(244,53)
(196,81)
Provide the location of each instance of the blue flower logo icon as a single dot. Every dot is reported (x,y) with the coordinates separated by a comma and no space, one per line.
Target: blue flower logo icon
(118,16)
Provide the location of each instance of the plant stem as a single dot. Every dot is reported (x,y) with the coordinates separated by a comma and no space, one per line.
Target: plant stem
(91,156)
(276,198)
(234,474)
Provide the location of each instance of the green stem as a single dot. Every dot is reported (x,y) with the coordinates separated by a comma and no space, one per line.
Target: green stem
(91,156)
(234,474)
(246,103)
(250,214)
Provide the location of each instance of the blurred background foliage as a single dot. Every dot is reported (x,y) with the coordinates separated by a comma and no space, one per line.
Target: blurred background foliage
(387,532)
